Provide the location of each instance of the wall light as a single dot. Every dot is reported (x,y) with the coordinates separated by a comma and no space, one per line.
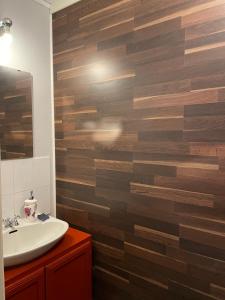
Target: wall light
(5,41)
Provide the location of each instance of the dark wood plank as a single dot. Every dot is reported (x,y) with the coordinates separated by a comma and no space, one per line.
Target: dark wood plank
(140,143)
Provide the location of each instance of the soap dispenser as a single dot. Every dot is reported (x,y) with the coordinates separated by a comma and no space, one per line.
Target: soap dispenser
(30,208)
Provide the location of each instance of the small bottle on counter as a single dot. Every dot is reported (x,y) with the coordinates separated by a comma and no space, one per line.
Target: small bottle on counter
(30,208)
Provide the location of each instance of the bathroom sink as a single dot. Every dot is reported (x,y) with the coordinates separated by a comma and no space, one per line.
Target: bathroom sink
(30,240)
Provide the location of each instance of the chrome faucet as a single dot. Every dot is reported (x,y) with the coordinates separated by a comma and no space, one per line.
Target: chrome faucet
(11,222)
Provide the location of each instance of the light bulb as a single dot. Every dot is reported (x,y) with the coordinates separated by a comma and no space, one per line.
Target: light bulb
(5,48)
(6,40)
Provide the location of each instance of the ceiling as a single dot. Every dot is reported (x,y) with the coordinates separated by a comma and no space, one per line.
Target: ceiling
(60,4)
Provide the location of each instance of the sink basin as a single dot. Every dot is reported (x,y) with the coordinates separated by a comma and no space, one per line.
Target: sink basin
(31,240)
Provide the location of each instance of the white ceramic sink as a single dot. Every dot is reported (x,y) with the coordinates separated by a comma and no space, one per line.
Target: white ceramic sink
(31,240)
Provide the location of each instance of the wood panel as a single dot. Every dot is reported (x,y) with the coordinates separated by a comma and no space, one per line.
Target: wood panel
(140,143)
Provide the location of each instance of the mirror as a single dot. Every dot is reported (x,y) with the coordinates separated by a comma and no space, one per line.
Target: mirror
(16,130)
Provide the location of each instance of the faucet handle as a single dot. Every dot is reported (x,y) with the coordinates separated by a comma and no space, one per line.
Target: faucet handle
(7,222)
(10,222)
(15,220)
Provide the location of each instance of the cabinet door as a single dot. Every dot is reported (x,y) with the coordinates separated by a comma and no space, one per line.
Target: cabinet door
(29,287)
(69,277)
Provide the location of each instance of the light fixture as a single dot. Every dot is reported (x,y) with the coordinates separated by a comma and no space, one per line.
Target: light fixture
(5,41)
(5,34)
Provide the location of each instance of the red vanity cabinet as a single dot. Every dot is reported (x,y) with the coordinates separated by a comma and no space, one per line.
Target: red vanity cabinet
(28,287)
(62,282)
(62,273)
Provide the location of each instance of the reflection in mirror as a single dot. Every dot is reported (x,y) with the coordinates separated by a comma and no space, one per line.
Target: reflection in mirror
(16,134)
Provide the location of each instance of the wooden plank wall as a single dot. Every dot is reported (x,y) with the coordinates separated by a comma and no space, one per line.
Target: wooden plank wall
(140,143)
(16,130)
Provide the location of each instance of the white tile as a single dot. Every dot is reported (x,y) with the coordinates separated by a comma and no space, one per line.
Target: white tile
(42,194)
(19,199)
(7,206)
(22,175)
(41,171)
(7,178)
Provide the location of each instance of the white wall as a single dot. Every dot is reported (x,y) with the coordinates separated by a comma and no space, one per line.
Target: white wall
(2,292)
(31,51)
